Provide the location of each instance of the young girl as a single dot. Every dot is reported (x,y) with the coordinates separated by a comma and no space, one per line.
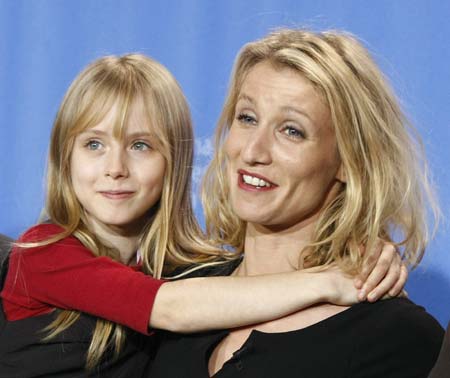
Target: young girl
(79,291)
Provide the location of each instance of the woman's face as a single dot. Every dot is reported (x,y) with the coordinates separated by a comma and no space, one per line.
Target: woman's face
(117,181)
(283,163)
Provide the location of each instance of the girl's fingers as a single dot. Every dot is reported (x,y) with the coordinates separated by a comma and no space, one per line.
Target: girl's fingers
(388,282)
(385,272)
(370,262)
(400,284)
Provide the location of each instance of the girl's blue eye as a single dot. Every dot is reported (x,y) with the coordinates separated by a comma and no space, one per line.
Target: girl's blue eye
(93,145)
(140,146)
(293,132)
(246,118)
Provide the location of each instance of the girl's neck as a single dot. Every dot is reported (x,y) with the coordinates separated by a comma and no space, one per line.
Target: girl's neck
(123,239)
(268,250)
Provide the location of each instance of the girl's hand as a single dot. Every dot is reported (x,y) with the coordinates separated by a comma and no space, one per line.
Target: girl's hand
(338,287)
(383,274)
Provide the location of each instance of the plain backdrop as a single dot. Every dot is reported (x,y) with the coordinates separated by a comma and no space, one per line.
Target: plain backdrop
(45,43)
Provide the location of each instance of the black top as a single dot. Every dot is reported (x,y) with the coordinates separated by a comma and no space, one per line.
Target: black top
(442,367)
(391,338)
(23,354)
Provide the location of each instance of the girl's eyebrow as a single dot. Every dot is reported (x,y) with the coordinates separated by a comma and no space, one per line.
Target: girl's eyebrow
(137,134)
(93,131)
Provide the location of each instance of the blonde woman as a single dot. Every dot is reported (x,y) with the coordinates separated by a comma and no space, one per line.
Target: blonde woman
(79,292)
(313,157)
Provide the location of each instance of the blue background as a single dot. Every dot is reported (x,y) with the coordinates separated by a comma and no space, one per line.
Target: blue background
(44,44)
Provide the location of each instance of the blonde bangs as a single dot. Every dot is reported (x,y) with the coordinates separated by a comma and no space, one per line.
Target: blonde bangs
(98,100)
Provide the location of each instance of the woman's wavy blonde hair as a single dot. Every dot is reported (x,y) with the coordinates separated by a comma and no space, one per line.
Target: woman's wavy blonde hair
(171,234)
(387,186)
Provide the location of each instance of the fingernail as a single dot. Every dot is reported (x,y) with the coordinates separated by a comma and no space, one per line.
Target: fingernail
(371,296)
(361,295)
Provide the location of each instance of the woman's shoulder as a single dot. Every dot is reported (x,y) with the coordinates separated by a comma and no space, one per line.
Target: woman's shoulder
(442,367)
(402,315)
(398,319)
(221,267)
(398,332)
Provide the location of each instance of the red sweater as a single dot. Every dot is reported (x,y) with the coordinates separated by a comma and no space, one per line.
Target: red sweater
(68,276)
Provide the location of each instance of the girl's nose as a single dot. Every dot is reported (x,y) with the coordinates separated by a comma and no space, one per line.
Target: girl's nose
(116,165)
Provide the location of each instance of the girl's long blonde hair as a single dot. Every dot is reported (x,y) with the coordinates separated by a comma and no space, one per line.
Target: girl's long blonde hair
(171,233)
(387,189)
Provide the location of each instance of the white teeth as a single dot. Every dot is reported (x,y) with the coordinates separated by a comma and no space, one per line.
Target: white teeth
(254,181)
(247,179)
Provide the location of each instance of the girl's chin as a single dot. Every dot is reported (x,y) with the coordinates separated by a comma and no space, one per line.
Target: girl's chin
(124,225)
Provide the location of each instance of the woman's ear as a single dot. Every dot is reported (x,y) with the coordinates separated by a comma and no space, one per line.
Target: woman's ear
(340,175)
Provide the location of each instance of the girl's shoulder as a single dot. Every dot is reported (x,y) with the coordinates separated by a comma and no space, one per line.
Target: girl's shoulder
(42,239)
(40,232)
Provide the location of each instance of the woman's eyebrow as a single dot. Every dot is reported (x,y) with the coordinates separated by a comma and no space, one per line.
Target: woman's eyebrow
(287,109)
(292,109)
(245,97)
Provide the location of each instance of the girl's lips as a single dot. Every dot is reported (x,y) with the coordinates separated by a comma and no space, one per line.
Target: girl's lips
(116,194)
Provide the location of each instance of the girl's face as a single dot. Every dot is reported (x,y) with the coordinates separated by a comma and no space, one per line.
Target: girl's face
(283,162)
(117,181)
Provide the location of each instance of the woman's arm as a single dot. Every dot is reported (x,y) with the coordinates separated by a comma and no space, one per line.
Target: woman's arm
(199,304)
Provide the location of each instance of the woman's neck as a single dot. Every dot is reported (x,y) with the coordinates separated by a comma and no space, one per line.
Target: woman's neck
(269,250)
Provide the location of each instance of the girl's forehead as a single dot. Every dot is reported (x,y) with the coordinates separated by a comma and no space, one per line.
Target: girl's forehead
(121,119)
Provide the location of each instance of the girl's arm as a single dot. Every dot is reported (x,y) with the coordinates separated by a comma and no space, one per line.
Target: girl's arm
(66,275)
(199,304)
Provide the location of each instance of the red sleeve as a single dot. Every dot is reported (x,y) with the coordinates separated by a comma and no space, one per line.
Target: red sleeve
(67,275)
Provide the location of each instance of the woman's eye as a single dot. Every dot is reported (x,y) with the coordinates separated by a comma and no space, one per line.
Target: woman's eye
(246,118)
(140,146)
(93,145)
(293,132)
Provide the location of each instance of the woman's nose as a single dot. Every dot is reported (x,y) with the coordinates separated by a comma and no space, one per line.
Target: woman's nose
(256,149)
